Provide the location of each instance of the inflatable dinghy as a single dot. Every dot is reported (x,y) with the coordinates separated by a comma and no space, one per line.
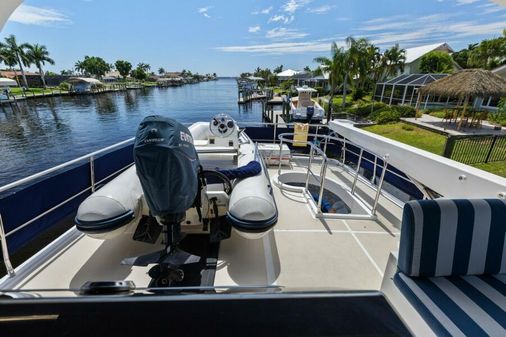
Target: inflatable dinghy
(249,207)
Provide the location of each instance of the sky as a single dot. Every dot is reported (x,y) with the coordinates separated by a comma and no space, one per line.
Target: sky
(229,37)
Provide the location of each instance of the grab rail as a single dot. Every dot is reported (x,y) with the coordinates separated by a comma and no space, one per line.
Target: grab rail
(323,171)
(88,157)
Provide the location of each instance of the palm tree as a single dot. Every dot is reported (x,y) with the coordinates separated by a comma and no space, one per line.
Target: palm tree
(394,60)
(334,66)
(19,53)
(9,59)
(161,71)
(39,55)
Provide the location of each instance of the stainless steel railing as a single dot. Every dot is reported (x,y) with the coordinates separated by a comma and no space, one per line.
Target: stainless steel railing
(93,183)
(313,148)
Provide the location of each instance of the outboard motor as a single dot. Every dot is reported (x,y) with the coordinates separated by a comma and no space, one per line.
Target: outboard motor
(168,168)
(309,114)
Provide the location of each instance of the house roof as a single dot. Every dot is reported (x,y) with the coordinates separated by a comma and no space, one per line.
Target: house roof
(12,74)
(7,82)
(89,80)
(501,71)
(413,54)
(287,73)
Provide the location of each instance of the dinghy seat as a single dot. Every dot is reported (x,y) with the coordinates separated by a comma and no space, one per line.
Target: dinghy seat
(452,260)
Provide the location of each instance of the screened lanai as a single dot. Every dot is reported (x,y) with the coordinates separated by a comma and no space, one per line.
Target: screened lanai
(403,89)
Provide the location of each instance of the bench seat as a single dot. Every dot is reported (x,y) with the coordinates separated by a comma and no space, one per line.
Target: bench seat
(458,305)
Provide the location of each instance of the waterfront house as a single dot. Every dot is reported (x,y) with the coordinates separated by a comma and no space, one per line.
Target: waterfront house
(287,74)
(84,84)
(501,71)
(111,77)
(414,56)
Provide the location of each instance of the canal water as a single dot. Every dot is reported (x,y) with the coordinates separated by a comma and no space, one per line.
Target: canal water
(45,132)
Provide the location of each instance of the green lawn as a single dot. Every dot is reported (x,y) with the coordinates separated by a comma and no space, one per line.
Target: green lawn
(498,167)
(30,91)
(411,135)
(427,140)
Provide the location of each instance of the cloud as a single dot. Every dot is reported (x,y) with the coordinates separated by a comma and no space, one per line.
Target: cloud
(292,6)
(279,48)
(490,8)
(263,11)
(466,2)
(31,15)
(436,28)
(282,33)
(204,11)
(254,29)
(286,19)
(320,10)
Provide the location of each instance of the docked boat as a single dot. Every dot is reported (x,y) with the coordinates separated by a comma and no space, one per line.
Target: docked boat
(304,108)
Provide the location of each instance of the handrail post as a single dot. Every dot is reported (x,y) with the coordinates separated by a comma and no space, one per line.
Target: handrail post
(311,155)
(274,135)
(92,173)
(374,170)
(325,145)
(280,154)
(323,173)
(380,184)
(343,155)
(359,162)
(5,250)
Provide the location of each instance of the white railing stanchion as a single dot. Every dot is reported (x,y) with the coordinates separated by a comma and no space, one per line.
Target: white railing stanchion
(374,169)
(280,154)
(359,162)
(92,174)
(5,250)
(323,174)
(380,184)
(311,152)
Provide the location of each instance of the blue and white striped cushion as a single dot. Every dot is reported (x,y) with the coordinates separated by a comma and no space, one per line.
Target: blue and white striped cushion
(458,305)
(446,237)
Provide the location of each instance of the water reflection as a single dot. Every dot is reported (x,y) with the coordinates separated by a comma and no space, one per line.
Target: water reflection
(41,133)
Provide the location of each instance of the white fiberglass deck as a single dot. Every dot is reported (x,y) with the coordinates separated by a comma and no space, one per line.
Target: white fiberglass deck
(301,251)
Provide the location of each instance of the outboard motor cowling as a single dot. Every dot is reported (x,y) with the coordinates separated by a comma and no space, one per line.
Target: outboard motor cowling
(168,168)
(167,165)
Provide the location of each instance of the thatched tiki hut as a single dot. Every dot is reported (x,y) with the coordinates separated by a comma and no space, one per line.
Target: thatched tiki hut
(465,85)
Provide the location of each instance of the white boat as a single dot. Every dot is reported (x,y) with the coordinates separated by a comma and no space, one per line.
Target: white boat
(304,108)
(359,235)
(117,208)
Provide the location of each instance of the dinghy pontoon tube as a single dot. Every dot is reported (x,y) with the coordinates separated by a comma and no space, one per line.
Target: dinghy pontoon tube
(252,210)
(112,210)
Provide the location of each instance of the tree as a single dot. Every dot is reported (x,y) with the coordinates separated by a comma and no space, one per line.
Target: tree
(306,68)
(335,67)
(161,71)
(140,72)
(489,54)
(39,55)
(19,52)
(67,72)
(278,69)
(437,62)
(93,65)
(9,59)
(393,60)
(123,67)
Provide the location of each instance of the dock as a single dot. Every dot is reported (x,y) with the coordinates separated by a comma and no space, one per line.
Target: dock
(276,110)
